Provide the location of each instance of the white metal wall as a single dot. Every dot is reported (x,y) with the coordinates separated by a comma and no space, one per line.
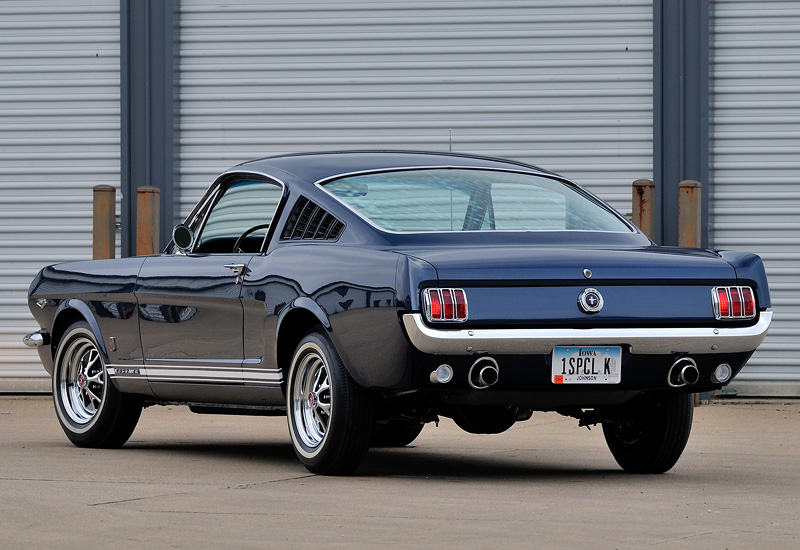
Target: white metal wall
(59,136)
(564,84)
(755,203)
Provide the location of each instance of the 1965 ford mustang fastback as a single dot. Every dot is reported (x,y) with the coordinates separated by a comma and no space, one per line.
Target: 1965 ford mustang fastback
(364,294)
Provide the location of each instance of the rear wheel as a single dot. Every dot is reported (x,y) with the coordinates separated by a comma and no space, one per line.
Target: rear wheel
(651,440)
(330,416)
(91,411)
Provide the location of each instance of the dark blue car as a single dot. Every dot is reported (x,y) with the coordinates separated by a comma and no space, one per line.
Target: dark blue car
(365,294)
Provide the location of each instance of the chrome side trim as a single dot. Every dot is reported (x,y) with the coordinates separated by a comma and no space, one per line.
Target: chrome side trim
(197,371)
(36,339)
(642,341)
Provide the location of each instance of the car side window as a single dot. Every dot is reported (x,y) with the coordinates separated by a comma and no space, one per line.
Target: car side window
(240,219)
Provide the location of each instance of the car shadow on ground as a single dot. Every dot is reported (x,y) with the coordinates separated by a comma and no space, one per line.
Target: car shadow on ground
(382,462)
(409,462)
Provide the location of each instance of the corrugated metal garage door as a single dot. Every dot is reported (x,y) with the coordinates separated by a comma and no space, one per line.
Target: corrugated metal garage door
(755,201)
(59,136)
(565,84)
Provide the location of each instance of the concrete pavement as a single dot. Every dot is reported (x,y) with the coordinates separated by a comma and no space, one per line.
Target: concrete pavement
(192,481)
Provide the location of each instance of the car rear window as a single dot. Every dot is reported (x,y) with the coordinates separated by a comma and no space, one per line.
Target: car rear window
(458,199)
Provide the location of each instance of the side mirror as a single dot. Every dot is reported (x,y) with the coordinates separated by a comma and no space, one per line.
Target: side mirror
(183,237)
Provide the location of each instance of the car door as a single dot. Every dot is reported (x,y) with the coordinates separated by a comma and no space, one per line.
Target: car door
(190,309)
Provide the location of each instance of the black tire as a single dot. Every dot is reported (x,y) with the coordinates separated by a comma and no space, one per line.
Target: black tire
(91,411)
(652,439)
(330,416)
(396,433)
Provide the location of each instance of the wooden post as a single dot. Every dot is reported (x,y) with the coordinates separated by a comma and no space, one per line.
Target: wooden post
(689,212)
(147,220)
(103,222)
(643,194)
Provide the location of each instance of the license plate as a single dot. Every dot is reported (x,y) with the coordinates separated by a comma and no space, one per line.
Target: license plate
(587,365)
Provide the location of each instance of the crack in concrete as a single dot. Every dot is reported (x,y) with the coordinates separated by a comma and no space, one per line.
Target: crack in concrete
(249,485)
(136,499)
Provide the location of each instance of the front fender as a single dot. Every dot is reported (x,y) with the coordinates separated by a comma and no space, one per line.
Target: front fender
(66,311)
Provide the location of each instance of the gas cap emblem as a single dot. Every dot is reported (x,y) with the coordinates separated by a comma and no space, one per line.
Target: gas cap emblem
(590,301)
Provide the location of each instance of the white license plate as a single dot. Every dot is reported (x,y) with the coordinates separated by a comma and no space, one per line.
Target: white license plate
(587,365)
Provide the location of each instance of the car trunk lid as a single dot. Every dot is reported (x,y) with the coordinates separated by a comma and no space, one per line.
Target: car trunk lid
(541,286)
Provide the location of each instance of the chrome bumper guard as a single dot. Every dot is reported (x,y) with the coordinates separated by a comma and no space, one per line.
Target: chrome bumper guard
(642,341)
(36,339)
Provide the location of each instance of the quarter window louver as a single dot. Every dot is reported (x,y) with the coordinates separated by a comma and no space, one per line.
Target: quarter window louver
(308,221)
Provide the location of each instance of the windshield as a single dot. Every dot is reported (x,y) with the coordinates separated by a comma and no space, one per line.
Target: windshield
(458,199)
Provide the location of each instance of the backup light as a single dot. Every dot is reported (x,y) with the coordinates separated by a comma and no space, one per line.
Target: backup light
(733,302)
(722,373)
(445,304)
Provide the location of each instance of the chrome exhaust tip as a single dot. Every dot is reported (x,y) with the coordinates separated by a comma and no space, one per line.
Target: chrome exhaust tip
(484,373)
(683,372)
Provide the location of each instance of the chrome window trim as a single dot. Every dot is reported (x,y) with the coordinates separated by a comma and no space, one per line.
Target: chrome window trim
(212,195)
(642,341)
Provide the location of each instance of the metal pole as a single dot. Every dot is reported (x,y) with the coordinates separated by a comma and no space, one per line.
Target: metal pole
(689,213)
(644,194)
(147,220)
(103,221)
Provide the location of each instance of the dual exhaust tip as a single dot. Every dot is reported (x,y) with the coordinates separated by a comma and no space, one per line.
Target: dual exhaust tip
(484,373)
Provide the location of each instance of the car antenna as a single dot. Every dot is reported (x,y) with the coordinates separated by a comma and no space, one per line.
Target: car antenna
(450,131)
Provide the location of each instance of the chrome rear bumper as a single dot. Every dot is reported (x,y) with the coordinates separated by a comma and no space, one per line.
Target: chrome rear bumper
(643,341)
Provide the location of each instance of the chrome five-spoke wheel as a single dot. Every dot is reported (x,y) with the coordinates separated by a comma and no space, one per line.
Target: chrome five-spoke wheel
(330,416)
(82,380)
(311,397)
(92,412)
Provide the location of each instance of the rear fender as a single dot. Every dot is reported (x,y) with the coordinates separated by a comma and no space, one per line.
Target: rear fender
(749,271)
(294,321)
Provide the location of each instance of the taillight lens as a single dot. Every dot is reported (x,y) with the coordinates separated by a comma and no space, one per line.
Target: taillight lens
(434,305)
(461,303)
(733,302)
(749,302)
(447,299)
(445,304)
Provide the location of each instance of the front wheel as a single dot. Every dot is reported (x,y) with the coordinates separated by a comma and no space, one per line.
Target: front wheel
(330,416)
(91,411)
(651,440)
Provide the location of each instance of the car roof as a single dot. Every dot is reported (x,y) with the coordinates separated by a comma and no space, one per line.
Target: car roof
(309,168)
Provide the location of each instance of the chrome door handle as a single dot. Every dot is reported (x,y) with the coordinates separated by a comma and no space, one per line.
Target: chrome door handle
(238,269)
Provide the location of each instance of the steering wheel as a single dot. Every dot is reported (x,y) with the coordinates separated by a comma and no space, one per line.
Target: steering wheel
(236,248)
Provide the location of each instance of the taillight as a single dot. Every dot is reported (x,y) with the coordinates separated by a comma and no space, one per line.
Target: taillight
(433,305)
(447,300)
(733,302)
(445,304)
(749,302)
